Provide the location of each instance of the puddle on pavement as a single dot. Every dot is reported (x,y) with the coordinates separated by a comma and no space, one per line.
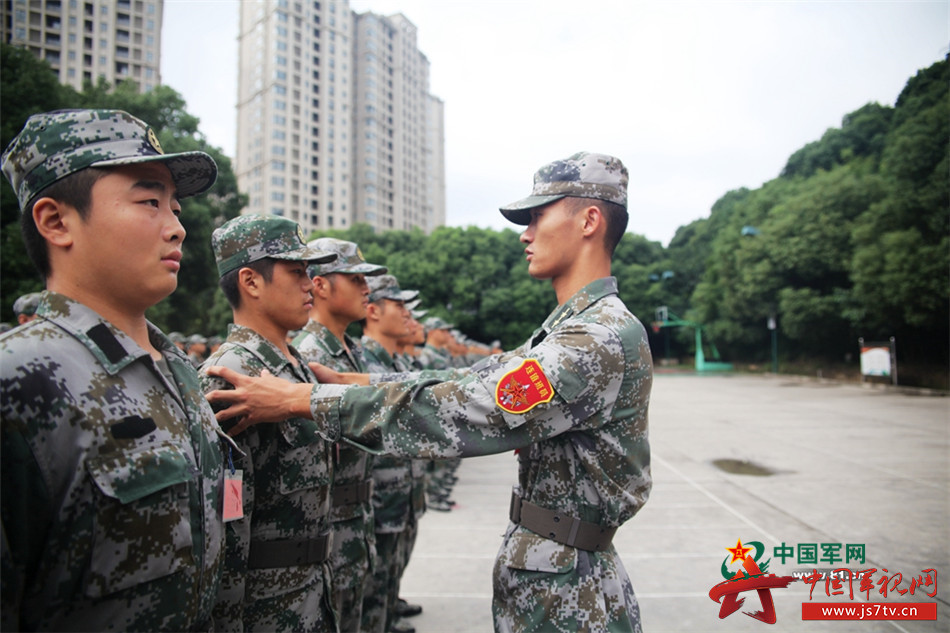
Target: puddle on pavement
(742,467)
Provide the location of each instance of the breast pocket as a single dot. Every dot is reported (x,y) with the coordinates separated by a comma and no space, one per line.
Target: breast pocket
(143,524)
(304,458)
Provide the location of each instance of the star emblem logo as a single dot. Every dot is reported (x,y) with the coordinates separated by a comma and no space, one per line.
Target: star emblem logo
(514,394)
(738,552)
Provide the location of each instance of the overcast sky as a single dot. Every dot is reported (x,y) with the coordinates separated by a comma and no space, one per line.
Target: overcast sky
(696,98)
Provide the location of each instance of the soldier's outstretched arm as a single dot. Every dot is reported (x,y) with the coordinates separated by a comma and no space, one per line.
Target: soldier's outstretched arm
(257,400)
(569,381)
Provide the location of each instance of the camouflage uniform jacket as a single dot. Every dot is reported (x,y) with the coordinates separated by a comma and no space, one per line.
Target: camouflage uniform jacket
(432,357)
(353,532)
(287,473)
(112,480)
(392,476)
(584,453)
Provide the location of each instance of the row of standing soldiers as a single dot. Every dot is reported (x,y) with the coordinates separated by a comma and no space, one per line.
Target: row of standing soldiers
(376,501)
(141,494)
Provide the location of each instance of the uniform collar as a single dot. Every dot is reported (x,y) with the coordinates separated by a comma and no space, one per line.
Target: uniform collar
(270,357)
(327,339)
(113,348)
(376,349)
(579,301)
(331,344)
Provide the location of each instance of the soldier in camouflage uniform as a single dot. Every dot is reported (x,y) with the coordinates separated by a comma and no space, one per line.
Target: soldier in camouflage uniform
(408,347)
(25,307)
(573,399)
(276,576)
(196,347)
(435,354)
(340,298)
(387,320)
(111,460)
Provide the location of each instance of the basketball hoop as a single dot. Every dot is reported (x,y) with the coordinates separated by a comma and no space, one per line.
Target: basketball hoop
(656,326)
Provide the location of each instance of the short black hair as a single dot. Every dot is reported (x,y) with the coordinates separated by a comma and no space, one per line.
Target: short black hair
(74,190)
(229,282)
(615,216)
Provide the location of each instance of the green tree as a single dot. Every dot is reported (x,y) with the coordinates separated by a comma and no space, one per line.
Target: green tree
(901,262)
(28,87)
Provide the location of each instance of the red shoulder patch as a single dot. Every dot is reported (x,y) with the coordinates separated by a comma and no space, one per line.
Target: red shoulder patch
(523,388)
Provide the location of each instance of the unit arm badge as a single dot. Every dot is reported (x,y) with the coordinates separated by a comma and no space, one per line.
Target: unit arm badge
(524,388)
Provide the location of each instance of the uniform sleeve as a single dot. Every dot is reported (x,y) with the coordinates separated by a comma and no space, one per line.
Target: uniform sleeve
(429,418)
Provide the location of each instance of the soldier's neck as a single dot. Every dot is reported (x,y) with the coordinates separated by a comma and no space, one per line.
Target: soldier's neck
(267,329)
(388,343)
(126,318)
(335,324)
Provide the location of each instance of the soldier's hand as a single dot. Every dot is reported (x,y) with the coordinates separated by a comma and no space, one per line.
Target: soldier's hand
(327,376)
(258,399)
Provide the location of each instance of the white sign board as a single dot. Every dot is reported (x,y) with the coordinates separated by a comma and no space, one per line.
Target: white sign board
(876,361)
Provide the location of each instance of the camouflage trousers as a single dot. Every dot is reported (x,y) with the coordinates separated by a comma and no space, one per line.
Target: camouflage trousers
(350,559)
(376,599)
(541,585)
(305,608)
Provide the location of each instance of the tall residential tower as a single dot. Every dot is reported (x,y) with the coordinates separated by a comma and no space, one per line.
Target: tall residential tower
(84,40)
(335,121)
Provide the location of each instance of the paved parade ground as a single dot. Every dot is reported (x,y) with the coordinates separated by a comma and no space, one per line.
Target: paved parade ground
(768,459)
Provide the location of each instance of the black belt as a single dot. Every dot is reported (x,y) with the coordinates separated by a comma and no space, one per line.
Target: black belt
(560,527)
(270,554)
(349,494)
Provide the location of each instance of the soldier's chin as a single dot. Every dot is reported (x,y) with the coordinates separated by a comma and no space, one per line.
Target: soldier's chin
(538,274)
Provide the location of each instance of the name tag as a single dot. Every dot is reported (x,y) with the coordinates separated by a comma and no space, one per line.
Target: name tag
(233,495)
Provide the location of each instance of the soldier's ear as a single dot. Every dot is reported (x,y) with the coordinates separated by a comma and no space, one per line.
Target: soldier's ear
(321,287)
(593,220)
(250,282)
(54,221)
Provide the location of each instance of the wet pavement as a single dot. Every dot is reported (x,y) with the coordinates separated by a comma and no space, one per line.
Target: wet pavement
(768,459)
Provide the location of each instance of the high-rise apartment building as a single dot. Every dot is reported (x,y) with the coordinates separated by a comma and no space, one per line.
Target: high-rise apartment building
(335,122)
(84,40)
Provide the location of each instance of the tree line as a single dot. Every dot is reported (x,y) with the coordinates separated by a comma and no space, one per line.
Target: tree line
(851,239)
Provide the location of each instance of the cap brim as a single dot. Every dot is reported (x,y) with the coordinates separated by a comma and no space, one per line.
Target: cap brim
(520,212)
(306,254)
(192,172)
(370,270)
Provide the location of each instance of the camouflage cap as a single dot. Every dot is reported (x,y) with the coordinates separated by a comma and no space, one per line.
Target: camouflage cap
(249,238)
(582,175)
(386,287)
(196,339)
(349,258)
(176,337)
(27,304)
(56,144)
(418,314)
(435,323)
